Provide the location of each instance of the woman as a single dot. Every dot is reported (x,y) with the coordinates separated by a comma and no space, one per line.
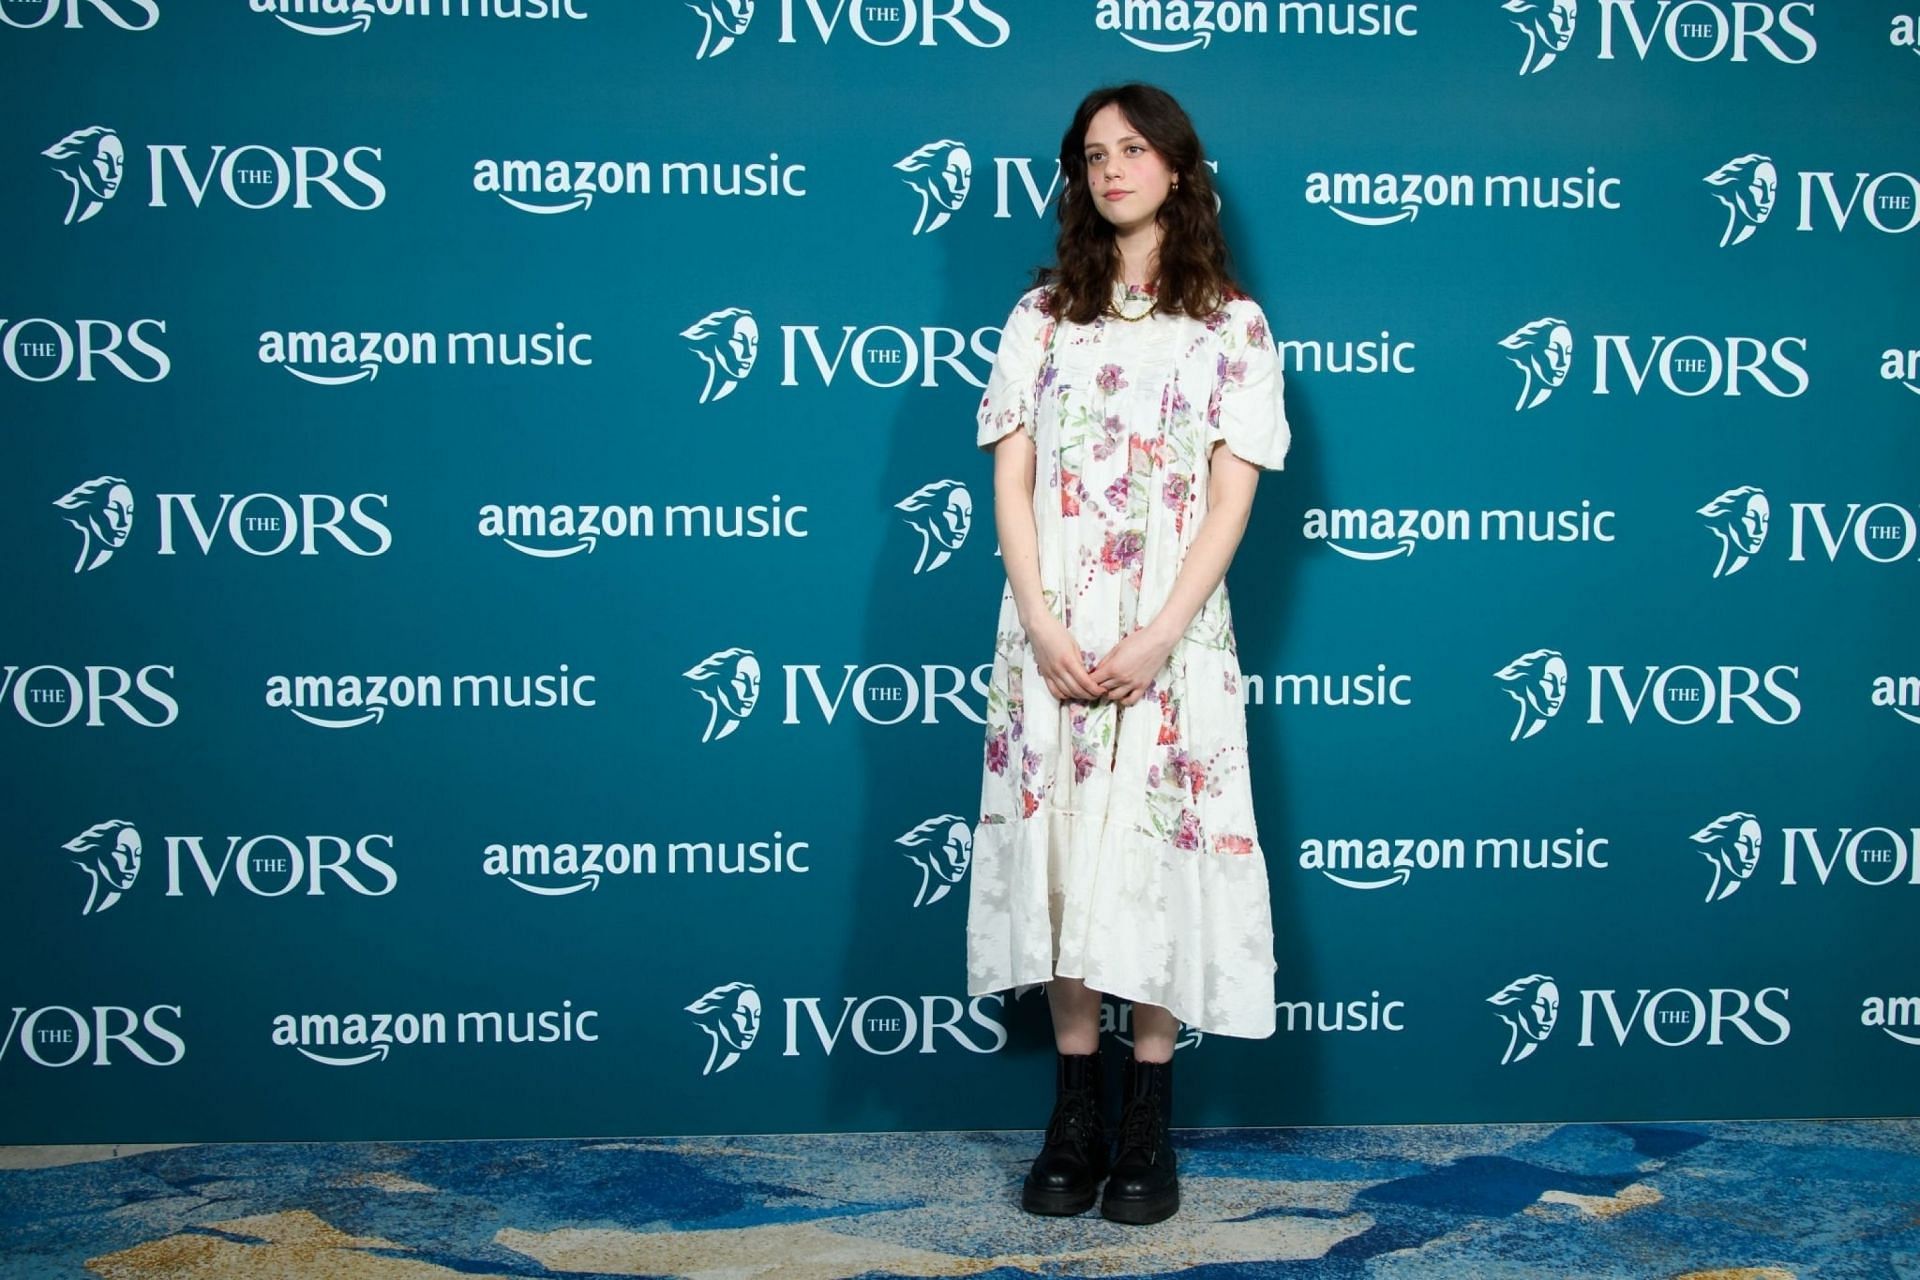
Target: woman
(1135,396)
(102,510)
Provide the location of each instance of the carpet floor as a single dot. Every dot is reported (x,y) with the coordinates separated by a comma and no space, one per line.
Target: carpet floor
(1832,1200)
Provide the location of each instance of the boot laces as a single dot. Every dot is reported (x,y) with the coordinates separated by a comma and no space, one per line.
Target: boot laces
(1072,1119)
(1140,1126)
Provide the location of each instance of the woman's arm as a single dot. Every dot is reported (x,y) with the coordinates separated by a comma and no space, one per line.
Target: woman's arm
(1130,666)
(1055,651)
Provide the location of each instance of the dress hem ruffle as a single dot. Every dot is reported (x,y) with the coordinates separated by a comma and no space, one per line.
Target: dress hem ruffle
(1130,998)
(1202,917)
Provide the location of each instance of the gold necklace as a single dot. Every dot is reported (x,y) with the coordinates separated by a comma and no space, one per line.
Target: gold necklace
(1117,314)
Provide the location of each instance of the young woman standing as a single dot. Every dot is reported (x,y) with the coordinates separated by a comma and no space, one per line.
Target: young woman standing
(1135,397)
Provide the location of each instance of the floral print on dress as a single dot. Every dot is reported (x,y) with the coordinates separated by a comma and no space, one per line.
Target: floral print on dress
(1176,493)
(1109,833)
(1188,834)
(997,751)
(1122,551)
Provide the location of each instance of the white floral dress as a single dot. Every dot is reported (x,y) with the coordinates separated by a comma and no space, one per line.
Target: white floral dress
(1117,844)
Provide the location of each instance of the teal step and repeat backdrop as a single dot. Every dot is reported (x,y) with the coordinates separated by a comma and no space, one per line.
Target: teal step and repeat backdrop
(500,584)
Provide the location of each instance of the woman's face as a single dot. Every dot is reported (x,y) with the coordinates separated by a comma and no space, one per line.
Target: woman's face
(1761,188)
(956,519)
(743,344)
(733,16)
(1555,356)
(115,516)
(1127,179)
(956,178)
(1752,529)
(124,863)
(743,686)
(1559,32)
(103,170)
(1544,1009)
(1550,690)
(742,1026)
(956,854)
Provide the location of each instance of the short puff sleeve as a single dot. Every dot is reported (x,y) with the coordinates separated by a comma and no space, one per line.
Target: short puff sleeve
(1248,409)
(1009,399)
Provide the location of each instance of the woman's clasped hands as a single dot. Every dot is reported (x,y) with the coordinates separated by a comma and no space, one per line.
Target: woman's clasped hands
(1122,676)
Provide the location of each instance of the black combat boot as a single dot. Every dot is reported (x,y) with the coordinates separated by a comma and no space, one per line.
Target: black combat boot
(1145,1185)
(1067,1172)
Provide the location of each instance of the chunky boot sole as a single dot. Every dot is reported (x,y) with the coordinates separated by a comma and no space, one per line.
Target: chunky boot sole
(1057,1204)
(1144,1211)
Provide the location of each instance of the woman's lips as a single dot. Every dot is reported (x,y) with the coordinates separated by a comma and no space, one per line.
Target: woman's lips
(1117,195)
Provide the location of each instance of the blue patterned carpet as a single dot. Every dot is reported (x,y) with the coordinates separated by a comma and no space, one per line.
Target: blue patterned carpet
(1752,1201)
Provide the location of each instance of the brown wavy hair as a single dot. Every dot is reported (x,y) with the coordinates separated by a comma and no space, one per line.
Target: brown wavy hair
(1192,273)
